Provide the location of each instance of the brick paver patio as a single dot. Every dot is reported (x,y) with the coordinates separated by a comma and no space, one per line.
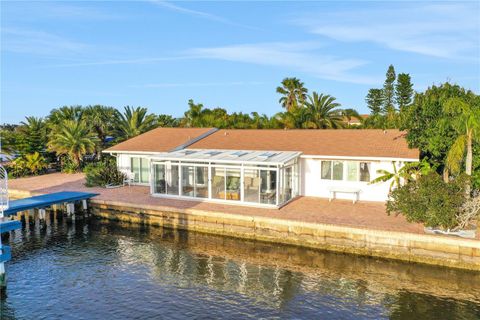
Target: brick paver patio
(363,214)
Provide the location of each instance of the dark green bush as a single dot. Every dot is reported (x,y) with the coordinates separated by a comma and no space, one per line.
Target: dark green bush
(429,200)
(103,173)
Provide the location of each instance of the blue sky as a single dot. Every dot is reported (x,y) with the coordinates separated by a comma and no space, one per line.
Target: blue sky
(225,54)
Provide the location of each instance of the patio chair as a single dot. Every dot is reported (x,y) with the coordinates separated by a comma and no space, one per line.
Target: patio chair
(129,177)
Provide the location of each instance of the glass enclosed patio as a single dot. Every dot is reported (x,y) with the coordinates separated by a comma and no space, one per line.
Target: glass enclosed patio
(258,178)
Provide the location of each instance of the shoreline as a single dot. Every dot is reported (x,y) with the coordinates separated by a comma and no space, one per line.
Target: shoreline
(409,247)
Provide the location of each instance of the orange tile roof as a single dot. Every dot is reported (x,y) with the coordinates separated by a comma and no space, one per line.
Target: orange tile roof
(159,140)
(343,142)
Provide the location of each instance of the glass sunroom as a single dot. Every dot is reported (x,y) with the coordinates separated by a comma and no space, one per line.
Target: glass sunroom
(258,178)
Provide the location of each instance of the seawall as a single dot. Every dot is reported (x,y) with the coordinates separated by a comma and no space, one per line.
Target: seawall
(410,247)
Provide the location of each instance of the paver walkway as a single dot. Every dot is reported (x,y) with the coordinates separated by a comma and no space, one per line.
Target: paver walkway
(363,214)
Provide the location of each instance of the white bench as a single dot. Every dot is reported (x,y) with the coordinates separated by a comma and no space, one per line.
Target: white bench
(335,190)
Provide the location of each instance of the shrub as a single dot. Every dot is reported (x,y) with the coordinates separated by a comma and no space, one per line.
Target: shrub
(103,173)
(430,200)
(28,164)
(68,166)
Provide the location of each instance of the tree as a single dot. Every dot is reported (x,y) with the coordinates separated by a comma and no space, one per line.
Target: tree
(33,135)
(293,93)
(32,163)
(73,113)
(429,127)
(464,117)
(133,121)
(101,121)
(193,116)
(375,101)
(403,90)
(389,91)
(73,139)
(166,120)
(348,114)
(323,112)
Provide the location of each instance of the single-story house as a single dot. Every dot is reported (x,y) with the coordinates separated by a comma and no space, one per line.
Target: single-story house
(261,167)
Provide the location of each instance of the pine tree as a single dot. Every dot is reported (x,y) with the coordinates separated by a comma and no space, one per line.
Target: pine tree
(403,90)
(389,91)
(374,100)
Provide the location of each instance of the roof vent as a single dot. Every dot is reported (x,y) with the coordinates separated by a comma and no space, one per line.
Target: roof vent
(226,133)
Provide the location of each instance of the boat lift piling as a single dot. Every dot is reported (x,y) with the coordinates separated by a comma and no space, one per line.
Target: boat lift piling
(26,207)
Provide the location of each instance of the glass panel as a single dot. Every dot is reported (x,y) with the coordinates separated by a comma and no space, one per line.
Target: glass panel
(144,170)
(188,181)
(172,179)
(327,170)
(160,185)
(251,185)
(365,171)
(337,170)
(135,168)
(218,183)
(268,190)
(201,182)
(352,171)
(233,184)
(287,184)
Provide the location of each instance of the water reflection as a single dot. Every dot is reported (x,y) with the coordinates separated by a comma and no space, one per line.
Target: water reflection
(115,270)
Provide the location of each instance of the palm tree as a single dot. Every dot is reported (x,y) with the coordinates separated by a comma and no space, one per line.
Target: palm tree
(134,121)
(293,93)
(33,132)
(74,113)
(410,171)
(193,116)
(101,120)
(74,139)
(323,112)
(465,120)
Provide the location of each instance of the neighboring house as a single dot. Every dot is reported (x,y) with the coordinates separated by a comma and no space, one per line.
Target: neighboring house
(354,121)
(263,167)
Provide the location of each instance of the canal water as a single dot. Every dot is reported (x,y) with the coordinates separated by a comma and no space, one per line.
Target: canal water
(92,269)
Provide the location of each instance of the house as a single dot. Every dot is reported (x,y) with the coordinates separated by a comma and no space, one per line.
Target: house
(263,167)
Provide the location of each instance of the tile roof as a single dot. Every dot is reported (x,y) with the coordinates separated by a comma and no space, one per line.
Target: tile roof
(160,140)
(343,142)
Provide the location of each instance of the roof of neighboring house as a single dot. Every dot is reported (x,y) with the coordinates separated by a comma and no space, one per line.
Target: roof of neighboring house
(161,140)
(342,142)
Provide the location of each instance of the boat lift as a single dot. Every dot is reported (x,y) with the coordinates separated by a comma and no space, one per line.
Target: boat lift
(10,208)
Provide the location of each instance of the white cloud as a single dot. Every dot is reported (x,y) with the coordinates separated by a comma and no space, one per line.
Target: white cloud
(38,42)
(200,14)
(446,30)
(298,57)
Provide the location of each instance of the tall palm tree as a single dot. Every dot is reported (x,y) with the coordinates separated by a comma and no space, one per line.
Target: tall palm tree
(323,112)
(293,93)
(134,121)
(465,119)
(101,119)
(74,139)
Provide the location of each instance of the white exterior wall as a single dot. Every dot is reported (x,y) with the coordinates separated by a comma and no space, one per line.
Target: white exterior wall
(312,185)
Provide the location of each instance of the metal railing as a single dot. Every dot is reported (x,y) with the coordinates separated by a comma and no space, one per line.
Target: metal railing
(3,190)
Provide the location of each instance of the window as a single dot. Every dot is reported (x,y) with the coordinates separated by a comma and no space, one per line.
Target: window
(141,168)
(352,171)
(337,170)
(172,179)
(345,170)
(327,170)
(365,171)
(239,153)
